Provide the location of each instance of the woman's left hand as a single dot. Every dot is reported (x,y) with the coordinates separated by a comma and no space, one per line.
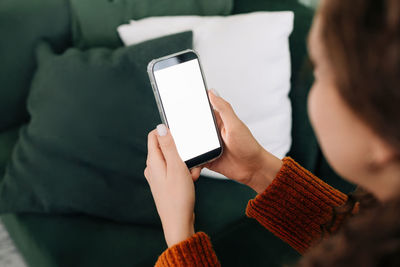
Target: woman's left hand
(172,186)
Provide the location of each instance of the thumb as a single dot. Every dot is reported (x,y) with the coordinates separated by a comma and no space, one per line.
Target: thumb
(224,109)
(167,144)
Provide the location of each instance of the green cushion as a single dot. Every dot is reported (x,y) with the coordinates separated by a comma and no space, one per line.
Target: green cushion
(248,243)
(84,149)
(80,241)
(95,21)
(7,142)
(65,241)
(22,24)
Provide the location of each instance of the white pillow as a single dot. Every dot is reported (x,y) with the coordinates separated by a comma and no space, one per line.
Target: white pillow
(246,59)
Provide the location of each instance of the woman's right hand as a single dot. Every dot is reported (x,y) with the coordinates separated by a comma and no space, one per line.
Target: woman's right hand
(244,159)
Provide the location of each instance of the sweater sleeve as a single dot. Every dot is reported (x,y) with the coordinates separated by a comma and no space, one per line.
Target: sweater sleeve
(295,205)
(194,251)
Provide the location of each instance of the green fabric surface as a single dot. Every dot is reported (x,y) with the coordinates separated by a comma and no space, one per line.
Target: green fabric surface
(247,243)
(22,24)
(95,22)
(81,241)
(85,148)
(7,142)
(94,242)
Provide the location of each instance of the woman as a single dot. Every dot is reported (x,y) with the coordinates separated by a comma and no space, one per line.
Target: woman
(354,109)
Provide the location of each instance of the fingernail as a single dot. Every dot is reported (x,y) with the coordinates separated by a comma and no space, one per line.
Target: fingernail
(214,92)
(161,130)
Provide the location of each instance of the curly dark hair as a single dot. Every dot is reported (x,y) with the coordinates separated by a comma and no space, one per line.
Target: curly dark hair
(358,202)
(371,238)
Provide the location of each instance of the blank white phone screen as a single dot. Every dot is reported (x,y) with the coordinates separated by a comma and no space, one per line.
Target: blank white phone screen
(187,109)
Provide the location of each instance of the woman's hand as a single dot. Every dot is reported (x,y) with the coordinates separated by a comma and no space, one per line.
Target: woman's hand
(172,186)
(243,159)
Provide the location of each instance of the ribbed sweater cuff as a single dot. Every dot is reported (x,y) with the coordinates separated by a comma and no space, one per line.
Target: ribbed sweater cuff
(295,205)
(194,251)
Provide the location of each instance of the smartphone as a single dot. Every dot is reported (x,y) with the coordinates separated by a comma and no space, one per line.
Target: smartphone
(181,95)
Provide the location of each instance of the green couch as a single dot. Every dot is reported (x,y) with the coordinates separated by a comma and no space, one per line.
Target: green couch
(58,240)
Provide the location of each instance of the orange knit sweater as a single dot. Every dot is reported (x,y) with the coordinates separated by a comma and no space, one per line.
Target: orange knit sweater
(293,207)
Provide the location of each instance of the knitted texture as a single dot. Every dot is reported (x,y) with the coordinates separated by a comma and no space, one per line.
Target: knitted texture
(194,251)
(295,206)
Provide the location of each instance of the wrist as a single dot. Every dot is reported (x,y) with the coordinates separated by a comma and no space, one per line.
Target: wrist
(268,169)
(177,235)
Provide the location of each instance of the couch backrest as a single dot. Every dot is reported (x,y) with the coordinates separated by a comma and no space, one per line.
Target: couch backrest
(23,23)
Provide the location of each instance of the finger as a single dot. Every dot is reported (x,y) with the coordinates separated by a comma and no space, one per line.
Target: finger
(218,119)
(167,145)
(224,109)
(147,175)
(155,156)
(209,165)
(195,172)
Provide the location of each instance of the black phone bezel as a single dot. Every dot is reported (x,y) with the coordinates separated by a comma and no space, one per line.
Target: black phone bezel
(175,60)
(206,157)
(179,59)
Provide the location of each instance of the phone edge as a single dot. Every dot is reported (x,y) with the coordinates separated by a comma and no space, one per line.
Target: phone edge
(150,73)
